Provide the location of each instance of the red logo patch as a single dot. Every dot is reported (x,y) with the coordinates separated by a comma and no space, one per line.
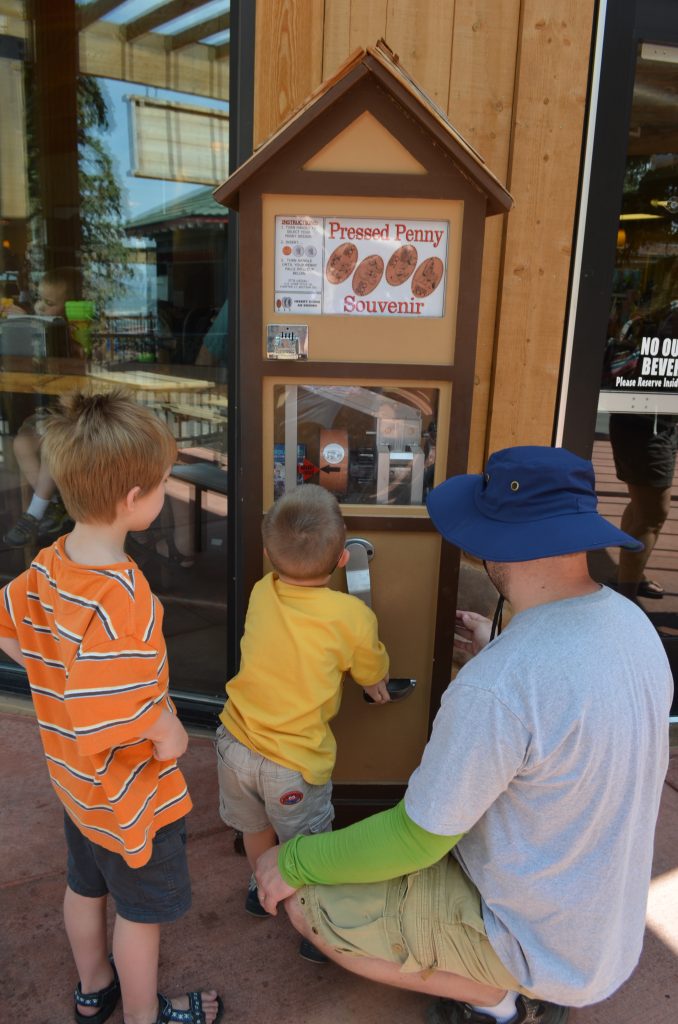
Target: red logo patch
(293,797)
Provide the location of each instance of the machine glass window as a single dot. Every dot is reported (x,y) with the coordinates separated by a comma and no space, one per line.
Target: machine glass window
(368,445)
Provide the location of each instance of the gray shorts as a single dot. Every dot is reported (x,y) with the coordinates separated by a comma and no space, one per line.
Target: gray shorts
(255,793)
(156,893)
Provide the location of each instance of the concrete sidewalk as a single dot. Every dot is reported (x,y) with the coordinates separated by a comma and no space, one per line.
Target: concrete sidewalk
(254,964)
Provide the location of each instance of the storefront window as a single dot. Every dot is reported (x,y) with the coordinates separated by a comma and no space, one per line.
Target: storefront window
(113,272)
(637,425)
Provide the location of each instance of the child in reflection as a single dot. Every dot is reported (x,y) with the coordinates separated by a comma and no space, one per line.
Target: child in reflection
(275,748)
(46,516)
(55,289)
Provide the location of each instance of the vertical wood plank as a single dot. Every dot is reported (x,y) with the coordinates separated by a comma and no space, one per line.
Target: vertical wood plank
(336,41)
(350,24)
(288,60)
(420,32)
(480,106)
(549,115)
(482,77)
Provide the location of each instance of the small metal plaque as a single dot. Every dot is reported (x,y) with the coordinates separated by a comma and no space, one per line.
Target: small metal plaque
(287,341)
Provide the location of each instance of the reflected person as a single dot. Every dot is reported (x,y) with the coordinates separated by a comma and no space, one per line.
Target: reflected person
(644,449)
(45,516)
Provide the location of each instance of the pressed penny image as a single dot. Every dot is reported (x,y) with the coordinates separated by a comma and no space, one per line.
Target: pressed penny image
(368,275)
(427,277)
(401,265)
(341,263)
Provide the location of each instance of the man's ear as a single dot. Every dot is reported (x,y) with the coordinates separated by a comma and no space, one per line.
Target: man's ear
(345,555)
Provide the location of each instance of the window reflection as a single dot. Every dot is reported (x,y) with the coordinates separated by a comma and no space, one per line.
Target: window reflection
(637,428)
(113,271)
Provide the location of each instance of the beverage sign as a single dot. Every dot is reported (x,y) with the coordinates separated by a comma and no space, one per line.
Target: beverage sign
(359,267)
(644,356)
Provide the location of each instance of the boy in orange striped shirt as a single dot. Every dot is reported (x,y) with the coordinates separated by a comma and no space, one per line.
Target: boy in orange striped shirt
(85,625)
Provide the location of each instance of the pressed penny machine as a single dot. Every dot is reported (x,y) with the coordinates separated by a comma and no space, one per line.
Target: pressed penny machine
(361,238)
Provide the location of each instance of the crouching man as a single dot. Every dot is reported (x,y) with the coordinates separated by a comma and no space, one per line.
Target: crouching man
(511,882)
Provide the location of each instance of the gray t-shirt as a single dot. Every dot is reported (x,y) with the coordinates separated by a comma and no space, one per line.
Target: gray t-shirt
(549,750)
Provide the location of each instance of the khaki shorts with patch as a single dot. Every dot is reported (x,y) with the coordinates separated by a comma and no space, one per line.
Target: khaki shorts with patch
(255,793)
(428,921)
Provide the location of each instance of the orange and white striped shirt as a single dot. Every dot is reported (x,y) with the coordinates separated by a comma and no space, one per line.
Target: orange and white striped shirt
(96,659)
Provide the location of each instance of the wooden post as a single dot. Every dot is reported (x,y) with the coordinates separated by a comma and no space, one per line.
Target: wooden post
(55,122)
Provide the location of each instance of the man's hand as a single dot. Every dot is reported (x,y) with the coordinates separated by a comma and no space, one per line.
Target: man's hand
(271,887)
(378,691)
(472,632)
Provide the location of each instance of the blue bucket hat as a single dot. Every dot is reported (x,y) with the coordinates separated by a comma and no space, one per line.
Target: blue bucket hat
(531,502)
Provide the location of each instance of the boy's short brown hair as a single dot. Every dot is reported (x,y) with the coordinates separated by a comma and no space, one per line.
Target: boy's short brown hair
(99,447)
(304,533)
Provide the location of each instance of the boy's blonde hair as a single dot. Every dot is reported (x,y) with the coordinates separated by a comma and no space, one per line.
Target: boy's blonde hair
(304,533)
(98,447)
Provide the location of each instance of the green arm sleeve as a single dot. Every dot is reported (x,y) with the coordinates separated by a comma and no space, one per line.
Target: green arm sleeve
(383,846)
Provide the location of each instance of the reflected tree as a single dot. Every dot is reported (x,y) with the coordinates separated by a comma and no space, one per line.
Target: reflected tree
(104,258)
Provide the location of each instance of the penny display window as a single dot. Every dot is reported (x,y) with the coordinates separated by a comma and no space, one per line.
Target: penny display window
(371,445)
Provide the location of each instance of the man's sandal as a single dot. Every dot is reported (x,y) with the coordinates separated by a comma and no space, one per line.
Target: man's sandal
(106,999)
(167,1014)
(650,588)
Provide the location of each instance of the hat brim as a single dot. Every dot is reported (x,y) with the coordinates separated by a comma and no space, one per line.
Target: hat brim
(454,511)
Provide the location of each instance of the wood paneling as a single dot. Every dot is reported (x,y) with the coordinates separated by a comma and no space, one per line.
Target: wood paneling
(350,24)
(288,60)
(511,75)
(421,33)
(543,176)
(481,107)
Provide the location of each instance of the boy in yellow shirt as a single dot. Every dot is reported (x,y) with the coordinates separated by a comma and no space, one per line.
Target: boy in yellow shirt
(275,748)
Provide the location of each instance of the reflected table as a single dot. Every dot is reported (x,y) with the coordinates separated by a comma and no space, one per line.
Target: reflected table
(194,409)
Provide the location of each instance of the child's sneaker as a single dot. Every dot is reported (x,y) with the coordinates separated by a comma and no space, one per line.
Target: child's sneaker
(252,904)
(24,531)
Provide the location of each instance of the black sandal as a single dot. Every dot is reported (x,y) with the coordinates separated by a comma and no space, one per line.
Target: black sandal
(650,588)
(106,999)
(167,1014)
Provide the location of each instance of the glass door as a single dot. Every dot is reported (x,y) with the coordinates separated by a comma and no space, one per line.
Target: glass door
(620,378)
(636,436)
(637,430)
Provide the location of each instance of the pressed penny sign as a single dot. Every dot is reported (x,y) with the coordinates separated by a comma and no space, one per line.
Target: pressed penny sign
(344,266)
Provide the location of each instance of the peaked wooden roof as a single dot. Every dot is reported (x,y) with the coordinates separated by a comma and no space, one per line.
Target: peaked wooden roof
(382,64)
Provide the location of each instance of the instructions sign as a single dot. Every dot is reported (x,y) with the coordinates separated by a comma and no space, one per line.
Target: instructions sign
(359,267)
